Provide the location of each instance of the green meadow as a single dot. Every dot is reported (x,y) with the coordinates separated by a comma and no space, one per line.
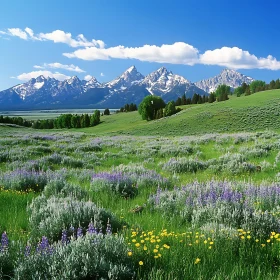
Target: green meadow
(191,196)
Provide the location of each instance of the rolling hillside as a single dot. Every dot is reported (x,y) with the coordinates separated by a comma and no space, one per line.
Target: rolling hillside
(259,111)
(247,113)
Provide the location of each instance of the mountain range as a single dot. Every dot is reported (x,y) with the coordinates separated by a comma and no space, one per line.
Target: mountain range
(130,87)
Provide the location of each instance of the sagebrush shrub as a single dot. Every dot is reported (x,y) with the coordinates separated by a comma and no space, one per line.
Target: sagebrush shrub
(22,180)
(49,216)
(59,187)
(93,256)
(181,165)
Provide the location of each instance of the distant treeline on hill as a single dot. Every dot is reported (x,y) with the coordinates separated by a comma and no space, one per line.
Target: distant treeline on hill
(196,99)
(63,121)
(128,108)
(15,120)
(69,121)
(256,86)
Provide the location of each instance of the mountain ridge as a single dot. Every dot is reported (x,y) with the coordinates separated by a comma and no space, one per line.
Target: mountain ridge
(130,87)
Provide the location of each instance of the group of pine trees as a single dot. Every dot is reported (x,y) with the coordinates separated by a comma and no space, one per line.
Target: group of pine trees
(69,121)
(15,120)
(128,108)
(196,99)
(256,86)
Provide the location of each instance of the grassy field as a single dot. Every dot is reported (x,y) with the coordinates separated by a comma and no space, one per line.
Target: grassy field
(183,200)
(248,113)
(144,182)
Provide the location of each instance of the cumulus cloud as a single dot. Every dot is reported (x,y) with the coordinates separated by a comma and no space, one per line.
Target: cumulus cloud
(57,36)
(45,73)
(18,33)
(177,53)
(180,53)
(237,58)
(87,77)
(102,74)
(57,65)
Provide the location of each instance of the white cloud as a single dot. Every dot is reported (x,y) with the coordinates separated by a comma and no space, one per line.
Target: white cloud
(237,58)
(57,65)
(87,77)
(38,67)
(178,53)
(45,73)
(57,36)
(18,33)
(102,74)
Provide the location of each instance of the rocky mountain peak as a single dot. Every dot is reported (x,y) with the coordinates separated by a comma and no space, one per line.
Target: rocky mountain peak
(228,77)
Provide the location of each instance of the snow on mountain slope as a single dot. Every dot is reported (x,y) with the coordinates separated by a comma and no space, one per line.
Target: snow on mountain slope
(163,80)
(131,86)
(228,77)
(127,79)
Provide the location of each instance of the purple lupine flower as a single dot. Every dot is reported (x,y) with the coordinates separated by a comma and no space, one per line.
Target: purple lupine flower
(91,229)
(43,247)
(27,250)
(79,232)
(64,240)
(4,242)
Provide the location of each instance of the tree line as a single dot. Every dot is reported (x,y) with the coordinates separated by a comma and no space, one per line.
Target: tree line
(63,121)
(128,108)
(69,121)
(15,120)
(256,86)
(196,99)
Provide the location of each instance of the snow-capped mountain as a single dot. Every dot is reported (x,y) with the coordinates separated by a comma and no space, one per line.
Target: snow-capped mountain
(228,77)
(33,85)
(168,85)
(127,79)
(130,87)
(92,83)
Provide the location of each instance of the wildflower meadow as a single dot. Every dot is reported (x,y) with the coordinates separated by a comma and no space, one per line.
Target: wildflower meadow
(77,206)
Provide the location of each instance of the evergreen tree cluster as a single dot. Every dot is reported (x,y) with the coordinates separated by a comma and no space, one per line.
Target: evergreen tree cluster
(153,107)
(69,121)
(196,99)
(106,112)
(256,86)
(222,93)
(128,108)
(15,120)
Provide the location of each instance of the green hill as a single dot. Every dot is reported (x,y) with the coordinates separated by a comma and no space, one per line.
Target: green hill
(247,113)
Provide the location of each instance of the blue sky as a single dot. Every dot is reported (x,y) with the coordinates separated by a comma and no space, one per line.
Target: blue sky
(102,38)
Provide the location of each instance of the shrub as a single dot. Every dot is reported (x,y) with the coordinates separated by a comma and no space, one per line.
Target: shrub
(72,162)
(93,256)
(6,265)
(127,183)
(49,216)
(231,204)
(181,165)
(22,180)
(116,182)
(61,188)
